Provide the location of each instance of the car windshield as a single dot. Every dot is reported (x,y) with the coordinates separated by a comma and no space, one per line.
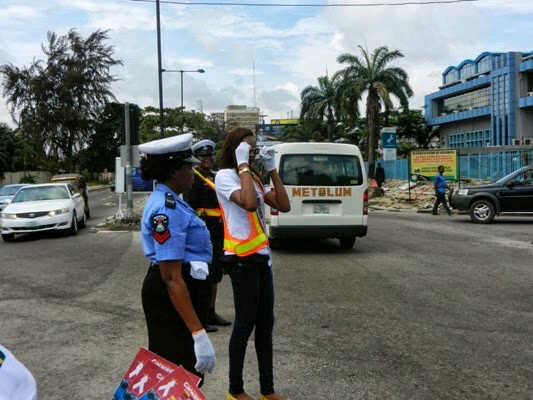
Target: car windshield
(41,193)
(9,190)
(320,170)
(501,181)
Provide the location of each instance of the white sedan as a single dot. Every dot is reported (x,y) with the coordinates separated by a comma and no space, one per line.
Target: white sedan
(37,208)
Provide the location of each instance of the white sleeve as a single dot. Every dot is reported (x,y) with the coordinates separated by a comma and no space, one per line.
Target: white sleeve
(226,182)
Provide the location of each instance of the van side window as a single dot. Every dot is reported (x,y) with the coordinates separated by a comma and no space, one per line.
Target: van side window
(320,170)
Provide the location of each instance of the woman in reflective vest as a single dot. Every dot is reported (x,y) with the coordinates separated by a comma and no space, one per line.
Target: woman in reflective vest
(242,199)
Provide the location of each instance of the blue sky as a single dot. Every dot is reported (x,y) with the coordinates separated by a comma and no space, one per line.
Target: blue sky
(289,46)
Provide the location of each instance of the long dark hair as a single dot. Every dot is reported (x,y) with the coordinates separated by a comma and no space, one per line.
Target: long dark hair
(233,139)
(159,168)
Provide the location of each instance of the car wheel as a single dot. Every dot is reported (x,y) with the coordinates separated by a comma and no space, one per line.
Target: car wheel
(74,224)
(482,212)
(347,242)
(8,237)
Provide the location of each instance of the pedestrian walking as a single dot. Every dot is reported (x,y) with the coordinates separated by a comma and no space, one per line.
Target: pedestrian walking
(175,292)
(380,176)
(242,197)
(440,191)
(203,199)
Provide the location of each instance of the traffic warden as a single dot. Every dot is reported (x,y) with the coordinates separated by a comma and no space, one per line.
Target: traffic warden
(203,199)
(175,292)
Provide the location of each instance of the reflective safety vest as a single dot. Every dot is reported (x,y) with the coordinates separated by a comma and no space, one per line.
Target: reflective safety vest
(208,212)
(256,240)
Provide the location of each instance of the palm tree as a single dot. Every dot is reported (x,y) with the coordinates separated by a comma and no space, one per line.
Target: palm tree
(319,102)
(372,74)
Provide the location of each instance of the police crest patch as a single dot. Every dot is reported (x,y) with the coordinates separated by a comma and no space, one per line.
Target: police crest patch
(160,230)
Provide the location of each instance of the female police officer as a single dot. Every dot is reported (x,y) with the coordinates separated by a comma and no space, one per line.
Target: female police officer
(175,293)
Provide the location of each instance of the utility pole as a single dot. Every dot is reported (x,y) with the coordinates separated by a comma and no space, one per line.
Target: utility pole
(159,71)
(129,162)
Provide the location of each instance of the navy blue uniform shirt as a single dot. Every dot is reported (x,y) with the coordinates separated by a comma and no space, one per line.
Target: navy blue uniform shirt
(171,230)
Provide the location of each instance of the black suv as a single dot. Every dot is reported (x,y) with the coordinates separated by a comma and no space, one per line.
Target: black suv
(512,194)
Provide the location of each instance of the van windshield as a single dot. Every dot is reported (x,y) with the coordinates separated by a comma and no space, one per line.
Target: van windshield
(320,170)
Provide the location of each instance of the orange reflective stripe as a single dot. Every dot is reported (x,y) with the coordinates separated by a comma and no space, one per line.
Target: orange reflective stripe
(256,240)
(210,212)
(205,179)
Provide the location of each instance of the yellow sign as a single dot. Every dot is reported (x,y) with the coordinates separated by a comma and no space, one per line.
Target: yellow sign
(315,191)
(295,121)
(425,162)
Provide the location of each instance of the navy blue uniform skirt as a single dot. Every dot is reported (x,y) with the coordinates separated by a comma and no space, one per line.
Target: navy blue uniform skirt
(168,336)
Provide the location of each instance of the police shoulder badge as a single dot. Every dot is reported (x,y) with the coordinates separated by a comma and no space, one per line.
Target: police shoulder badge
(160,230)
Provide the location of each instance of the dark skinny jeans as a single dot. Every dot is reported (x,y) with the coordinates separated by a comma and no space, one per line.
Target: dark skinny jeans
(253,297)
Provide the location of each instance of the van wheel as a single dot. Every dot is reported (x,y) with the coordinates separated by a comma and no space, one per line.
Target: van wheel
(347,242)
(8,237)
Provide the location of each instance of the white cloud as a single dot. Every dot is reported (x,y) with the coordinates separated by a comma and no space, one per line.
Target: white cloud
(291,47)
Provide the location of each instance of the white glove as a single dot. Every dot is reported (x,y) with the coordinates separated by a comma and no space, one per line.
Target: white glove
(205,354)
(242,153)
(267,156)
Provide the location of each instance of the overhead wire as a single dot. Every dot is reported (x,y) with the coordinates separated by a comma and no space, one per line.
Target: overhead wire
(252,4)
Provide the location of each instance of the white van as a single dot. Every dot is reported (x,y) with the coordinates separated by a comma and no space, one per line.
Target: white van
(327,188)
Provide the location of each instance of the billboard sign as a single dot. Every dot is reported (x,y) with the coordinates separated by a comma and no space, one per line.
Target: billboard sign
(425,162)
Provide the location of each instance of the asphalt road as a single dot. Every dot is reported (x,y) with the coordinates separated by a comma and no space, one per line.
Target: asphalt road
(424,307)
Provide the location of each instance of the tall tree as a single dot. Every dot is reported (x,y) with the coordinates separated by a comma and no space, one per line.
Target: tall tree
(15,153)
(319,102)
(373,74)
(57,102)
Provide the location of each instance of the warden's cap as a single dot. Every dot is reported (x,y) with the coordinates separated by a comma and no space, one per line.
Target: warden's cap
(204,147)
(171,148)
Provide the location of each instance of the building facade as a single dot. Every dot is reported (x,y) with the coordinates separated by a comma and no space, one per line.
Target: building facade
(236,116)
(484,102)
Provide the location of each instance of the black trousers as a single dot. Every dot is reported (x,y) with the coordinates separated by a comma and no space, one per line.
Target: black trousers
(168,336)
(253,297)
(441,198)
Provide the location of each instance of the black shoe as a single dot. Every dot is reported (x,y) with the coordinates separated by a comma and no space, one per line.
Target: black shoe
(215,319)
(210,328)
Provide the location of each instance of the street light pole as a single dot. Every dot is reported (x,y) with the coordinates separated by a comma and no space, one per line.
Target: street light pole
(159,70)
(181,71)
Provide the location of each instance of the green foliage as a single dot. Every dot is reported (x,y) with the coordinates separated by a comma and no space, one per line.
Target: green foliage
(109,134)
(56,102)
(319,102)
(372,73)
(28,179)
(175,120)
(16,153)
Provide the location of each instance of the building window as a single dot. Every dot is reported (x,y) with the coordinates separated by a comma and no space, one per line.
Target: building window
(450,77)
(461,140)
(467,70)
(483,65)
(466,101)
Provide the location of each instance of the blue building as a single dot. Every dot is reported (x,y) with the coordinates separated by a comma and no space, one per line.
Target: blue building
(484,102)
